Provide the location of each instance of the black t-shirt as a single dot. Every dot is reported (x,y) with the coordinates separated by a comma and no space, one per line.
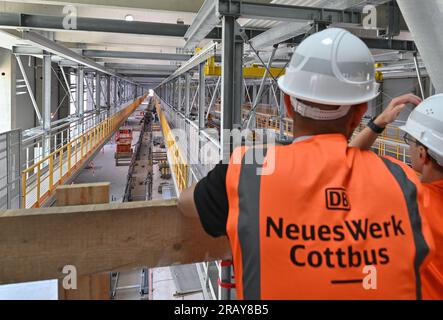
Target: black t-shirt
(211,200)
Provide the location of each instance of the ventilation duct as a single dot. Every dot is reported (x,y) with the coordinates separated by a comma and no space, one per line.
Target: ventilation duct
(423,19)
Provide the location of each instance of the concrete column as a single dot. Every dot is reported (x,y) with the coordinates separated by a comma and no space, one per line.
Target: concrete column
(7,90)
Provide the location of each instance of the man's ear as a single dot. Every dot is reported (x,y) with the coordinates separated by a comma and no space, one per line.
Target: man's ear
(289,108)
(423,155)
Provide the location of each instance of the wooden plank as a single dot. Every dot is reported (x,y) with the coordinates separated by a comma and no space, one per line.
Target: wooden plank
(82,194)
(36,244)
(92,287)
(89,287)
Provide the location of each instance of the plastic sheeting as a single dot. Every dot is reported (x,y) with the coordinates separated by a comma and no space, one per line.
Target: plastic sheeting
(424,19)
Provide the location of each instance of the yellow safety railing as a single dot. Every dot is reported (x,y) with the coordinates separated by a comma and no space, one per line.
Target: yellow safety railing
(179,165)
(43,177)
(390,143)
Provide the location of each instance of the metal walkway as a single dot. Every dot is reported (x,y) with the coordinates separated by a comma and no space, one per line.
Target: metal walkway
(40,180)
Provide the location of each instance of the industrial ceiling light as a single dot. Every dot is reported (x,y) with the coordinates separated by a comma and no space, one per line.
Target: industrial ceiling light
(129,17)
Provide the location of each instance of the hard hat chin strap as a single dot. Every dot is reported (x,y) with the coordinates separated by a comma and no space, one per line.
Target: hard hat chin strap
(319,114)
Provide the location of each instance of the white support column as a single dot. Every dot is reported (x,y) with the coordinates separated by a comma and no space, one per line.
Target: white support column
(282,114)
(7,90)
(80,96)
(98,90)
(46,105)
(187,93)
(202,96)
(116,93)
(80,91)
(179,88)
(108,92)
(47,75)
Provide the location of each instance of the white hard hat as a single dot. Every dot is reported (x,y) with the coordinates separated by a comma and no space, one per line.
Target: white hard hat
(331,67)
(425,124)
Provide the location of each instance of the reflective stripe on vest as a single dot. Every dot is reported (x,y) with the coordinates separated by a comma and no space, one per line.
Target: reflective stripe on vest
(410,192)
(249,225)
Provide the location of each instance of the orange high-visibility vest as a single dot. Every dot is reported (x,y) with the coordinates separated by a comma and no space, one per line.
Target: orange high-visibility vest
(433,272)
(325,221)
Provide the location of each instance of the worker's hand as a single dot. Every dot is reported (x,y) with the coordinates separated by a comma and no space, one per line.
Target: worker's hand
(394,109)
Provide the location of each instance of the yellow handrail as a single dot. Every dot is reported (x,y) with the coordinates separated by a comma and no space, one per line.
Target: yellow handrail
(179,166)
(391,135)
(86,144)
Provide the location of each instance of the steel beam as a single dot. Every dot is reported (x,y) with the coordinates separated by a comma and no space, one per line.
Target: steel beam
(205,21)
(201,97)
(281,113)
(59,50)
(108,91)
(146,72)
(46,106)
(280,34)
(211,11)
(280,12)
(214,97)
(179,89)
(136,55)
(30,21)
(116,92)
(142,67)
(232,83)
(187,93)
(195,61)
(390,44)
(26,51)
(147,79)
(98,90)
(251,123)
(68,87)
(145,75)
(80,91)
(91,24)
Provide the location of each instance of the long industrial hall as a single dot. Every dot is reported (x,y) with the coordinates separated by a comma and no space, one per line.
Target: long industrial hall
(221,150)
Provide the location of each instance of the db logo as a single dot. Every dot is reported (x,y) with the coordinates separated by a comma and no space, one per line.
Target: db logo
(337,199)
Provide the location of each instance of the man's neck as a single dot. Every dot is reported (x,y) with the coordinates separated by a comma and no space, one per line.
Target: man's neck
(431,175)
(308,133)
